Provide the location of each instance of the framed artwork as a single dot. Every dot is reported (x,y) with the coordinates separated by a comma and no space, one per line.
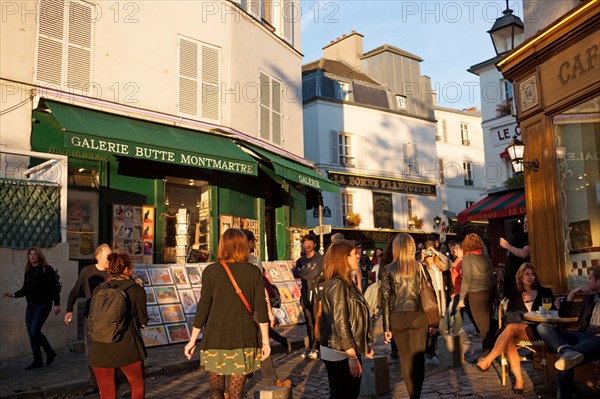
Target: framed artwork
(154,315)
(285,271)
(178,332)
(291,309)
(150,296)
(166,294)
(273,271)
(180,276)
(160,276)
(82,224)
(529,94)
(281,316)
(189,320)
(194,275)
(188,300)
(197,294)
(172,313)
(142,274)
(225,223)
(294,290)
(154,336)
(286,295)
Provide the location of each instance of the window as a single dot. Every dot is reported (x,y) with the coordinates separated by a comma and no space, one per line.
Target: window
(508,90)
(469,204)
(199,76)
(464,134)
(347,206)
(64,44)
(410,158)
(409,208)
(401,102)
(345,149)
(343,91)
(468,173)
(270,109)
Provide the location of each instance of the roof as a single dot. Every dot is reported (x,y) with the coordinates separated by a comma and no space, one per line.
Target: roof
(475,68)
(337,68)
(476,113)
(396,50)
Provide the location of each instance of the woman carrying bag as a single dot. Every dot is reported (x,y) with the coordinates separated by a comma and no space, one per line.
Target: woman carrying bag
(230,343)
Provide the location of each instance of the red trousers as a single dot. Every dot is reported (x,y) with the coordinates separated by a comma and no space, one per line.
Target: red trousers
(106,380)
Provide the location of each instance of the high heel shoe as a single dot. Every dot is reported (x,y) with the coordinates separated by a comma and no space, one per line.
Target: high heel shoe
(518,391)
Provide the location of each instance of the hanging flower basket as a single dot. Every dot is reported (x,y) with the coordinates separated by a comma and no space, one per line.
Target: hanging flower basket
(416,222)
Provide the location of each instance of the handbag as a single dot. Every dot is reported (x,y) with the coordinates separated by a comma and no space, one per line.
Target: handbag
(243,298)
(428,301)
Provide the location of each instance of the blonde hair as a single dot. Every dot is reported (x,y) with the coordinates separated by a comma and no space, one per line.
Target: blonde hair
(404,251)
(233,247)
(521,272)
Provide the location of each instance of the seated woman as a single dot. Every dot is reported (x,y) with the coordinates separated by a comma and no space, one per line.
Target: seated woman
(525,297)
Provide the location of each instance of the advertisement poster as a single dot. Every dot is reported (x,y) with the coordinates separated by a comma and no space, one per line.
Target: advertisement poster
(82,224)
(127,231)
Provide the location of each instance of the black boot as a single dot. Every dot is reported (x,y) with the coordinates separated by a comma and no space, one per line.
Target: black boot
(50,358)
(37,363)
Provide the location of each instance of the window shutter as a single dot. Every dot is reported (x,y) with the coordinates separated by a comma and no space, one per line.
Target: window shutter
(276,115)
(444,131)
(254,8)
(415,159)
(265,111)
(335,146)
(210,82)
(337,215)
(359,147)
(50,41)
(79,49)
(188,77)
(287,15)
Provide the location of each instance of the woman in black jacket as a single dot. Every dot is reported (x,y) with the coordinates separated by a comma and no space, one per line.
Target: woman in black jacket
(344,324)
(40,289)
(403,316)
(129,352)
(525,297)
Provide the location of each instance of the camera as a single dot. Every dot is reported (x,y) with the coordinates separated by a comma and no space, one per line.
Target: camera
(428,252)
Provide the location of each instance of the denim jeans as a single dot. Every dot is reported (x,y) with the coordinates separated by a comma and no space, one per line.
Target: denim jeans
(36,315)
(586,344)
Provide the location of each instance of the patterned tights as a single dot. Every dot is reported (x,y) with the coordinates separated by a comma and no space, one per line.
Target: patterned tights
(235,389)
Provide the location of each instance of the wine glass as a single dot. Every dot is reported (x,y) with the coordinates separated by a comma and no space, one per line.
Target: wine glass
(547,303)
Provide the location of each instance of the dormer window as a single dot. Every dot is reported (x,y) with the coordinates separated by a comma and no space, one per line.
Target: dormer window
(343,91)
(401,101)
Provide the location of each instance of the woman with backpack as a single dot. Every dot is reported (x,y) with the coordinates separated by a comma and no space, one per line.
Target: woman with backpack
(232,291)
(117,313)
(40,287)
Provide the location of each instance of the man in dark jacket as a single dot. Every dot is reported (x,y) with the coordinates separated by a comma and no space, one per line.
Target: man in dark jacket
(576,347)
(309,268)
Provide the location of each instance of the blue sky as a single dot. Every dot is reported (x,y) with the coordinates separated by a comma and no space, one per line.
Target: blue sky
(450,36)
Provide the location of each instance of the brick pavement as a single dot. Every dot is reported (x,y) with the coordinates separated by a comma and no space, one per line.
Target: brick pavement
(170,375)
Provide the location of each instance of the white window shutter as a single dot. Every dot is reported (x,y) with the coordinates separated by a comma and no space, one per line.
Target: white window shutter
(359,147)
(287,16)
(415,159)
(50,41)
(276,114)
(188,77)
(337,214)
(79,48)
(335,146)
(210,83)
(254,8)
(265,107)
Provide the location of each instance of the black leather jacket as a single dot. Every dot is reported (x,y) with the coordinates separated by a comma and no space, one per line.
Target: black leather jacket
(344,322)
(398,293)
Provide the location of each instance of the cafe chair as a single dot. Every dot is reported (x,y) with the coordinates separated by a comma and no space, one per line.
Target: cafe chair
(537,347)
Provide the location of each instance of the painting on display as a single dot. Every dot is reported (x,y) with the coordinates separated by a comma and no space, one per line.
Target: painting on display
(150,296)
(142,274)
(178,332)
(127,226)
(160,276)
(154,336)
(194,275)
(180,276)
(188,300)
(172,313)
(166,294)
(154,315)
(82,224)
(148,233)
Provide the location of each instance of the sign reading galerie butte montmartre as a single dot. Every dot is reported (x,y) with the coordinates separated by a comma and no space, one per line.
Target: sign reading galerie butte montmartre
(379,183)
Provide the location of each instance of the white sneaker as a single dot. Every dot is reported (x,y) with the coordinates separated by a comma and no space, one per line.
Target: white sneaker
(432,360)
(314,354)
(568,360)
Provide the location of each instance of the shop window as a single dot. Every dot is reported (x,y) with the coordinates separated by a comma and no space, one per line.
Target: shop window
(190,197)
(577,140)
(83,177)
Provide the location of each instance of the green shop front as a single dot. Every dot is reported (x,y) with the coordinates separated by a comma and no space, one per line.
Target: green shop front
(164,194)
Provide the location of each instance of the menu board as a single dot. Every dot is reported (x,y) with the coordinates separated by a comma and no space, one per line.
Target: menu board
(133,231)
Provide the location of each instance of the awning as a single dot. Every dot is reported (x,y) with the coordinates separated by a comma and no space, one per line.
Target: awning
(295,172)
(495,206)
(98,132)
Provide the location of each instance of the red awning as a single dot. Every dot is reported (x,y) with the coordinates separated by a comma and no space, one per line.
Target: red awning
(495,206)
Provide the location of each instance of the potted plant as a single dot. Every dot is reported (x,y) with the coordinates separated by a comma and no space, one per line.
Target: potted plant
(353,219)
(415,222)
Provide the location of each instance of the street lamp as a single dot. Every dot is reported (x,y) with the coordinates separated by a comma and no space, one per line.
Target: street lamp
(515,150)
(436,220)
(507,32)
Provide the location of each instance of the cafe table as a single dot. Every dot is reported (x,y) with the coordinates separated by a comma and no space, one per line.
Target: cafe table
(550,316)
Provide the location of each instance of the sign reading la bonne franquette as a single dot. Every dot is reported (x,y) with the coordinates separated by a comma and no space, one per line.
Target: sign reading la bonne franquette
(140,151)
(380,183)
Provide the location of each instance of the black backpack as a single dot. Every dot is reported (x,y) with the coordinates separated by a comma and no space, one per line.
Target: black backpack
(107,316)
(58,284)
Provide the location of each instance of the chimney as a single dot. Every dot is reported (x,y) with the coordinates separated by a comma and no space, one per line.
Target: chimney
(348,48)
